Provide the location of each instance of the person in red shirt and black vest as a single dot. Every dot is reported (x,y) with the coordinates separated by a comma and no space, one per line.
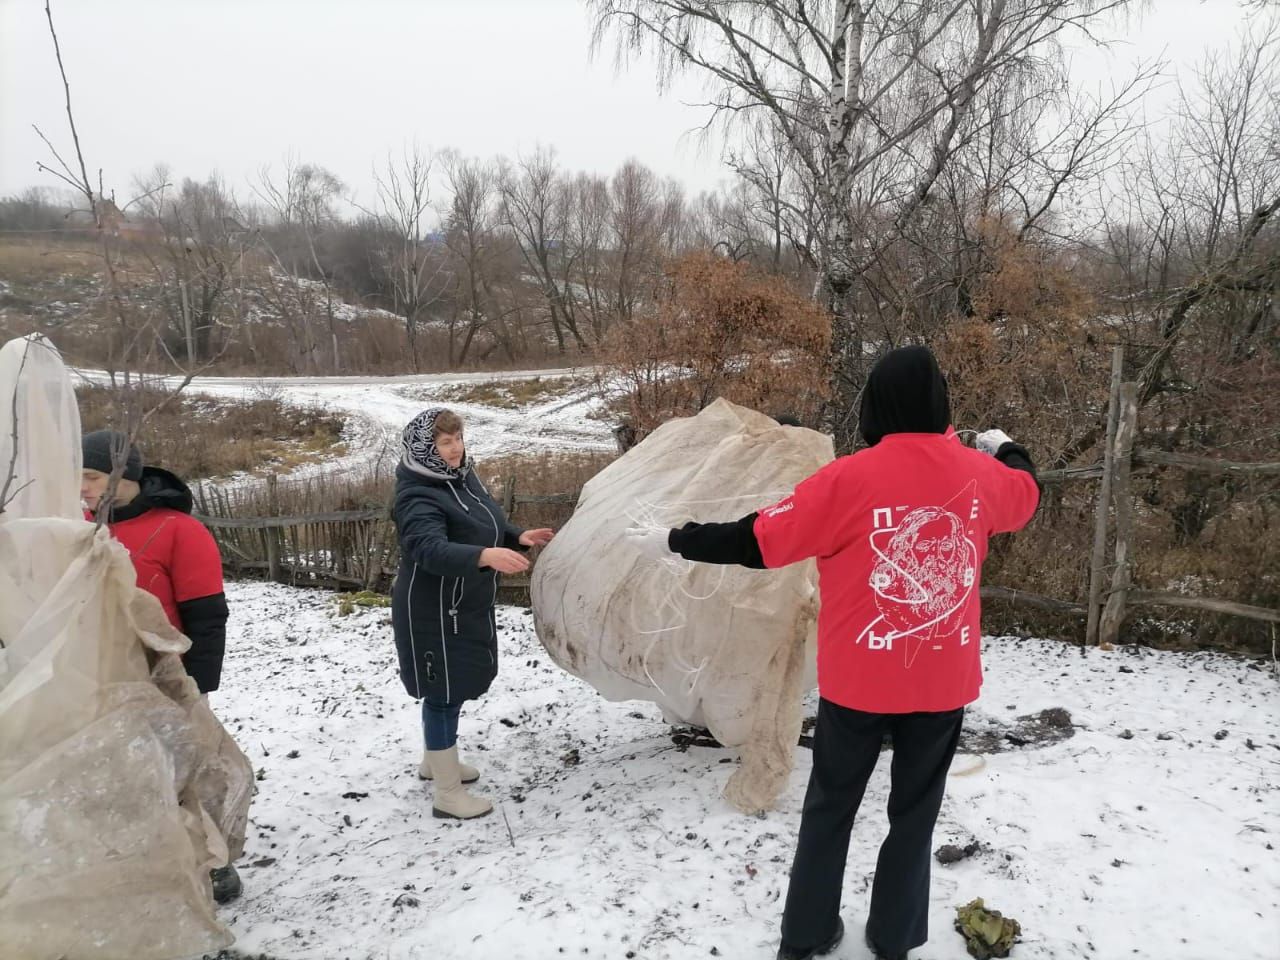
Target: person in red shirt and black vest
(900,532)
(176,560)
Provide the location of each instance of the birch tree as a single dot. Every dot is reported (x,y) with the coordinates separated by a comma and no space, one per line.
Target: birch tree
(872,101)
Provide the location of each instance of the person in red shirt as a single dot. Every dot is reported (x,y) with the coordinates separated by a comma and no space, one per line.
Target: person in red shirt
(176,560)
(900,532)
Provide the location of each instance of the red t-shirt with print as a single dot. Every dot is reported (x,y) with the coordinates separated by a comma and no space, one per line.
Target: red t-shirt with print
(900,532)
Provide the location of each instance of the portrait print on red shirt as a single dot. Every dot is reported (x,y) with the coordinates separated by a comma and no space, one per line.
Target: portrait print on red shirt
(926,566)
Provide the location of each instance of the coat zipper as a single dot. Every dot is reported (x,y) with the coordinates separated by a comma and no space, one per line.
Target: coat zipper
(497,539)
(455,601)
(497,533)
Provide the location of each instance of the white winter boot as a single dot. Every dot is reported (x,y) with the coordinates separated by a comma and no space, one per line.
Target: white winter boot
(452,799)
(469,773)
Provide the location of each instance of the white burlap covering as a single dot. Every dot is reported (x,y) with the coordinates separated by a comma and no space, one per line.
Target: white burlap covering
(722,647)
(119,789)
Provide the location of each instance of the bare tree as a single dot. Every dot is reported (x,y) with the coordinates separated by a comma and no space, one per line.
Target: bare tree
(417,276)
(302,200)
(200,261)
(1195,225)
(472,236)
(1191,248)
(635,232)
(673,220)
(535,206)
(764,173)
(135,345)
(584,264)
(130,331)
(871,99)
(724,223)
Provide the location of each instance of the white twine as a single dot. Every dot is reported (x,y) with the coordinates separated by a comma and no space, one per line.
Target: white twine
(656,517)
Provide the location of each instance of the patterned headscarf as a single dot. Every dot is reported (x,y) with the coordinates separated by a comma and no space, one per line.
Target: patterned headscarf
(418,445)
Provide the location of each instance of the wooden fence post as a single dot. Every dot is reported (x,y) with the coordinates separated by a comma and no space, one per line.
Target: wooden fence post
(1121,577)
(270,533)
(1098,559)
(383,528)
(509,495)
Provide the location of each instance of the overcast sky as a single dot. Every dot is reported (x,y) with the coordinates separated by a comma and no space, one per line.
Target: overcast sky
(231,85)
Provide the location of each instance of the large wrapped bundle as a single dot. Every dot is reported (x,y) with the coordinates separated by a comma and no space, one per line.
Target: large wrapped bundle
(722,647)
(119,789)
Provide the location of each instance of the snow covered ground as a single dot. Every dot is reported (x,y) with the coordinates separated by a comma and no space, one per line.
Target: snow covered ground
(377,408)
(1149,833)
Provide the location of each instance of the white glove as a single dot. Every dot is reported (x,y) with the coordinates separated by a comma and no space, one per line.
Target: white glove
(989,441)
(650,541)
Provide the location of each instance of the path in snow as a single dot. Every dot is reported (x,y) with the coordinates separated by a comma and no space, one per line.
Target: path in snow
(377,408)
(1144,835)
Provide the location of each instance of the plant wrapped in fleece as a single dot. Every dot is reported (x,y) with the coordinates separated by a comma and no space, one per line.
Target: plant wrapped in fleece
(726,648)
(119,789)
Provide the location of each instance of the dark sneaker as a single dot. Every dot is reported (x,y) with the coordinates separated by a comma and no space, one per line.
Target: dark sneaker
(792,953)
(226,883)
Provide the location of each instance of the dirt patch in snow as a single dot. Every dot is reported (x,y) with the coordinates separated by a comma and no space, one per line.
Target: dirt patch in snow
(1031,731)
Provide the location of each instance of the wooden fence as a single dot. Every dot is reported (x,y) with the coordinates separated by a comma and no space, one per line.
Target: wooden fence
(1112,556)
(342,550)
(357,549)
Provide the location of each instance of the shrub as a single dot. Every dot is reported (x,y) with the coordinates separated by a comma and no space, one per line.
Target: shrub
(716,328)
(199,437)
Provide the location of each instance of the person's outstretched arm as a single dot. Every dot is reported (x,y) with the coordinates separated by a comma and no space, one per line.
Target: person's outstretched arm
(1015,500)
(726,543)
(794,529)
(733,542)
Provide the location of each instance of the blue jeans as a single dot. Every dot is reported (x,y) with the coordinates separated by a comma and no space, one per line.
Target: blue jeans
(440,724)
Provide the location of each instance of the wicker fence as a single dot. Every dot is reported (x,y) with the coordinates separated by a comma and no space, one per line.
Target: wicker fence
(344,549)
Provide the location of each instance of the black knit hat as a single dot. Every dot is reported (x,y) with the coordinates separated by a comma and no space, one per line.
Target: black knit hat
(98,446)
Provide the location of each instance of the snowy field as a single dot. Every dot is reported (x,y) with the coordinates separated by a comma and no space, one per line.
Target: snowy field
(1149,833)
(377,408)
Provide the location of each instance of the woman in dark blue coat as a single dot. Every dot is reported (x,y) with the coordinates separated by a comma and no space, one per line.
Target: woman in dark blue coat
(455,541)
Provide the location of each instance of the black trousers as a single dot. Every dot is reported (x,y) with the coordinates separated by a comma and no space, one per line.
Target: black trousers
(846,745)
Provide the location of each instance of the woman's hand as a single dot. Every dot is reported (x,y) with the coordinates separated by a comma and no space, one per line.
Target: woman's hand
(537,538)
(503,560)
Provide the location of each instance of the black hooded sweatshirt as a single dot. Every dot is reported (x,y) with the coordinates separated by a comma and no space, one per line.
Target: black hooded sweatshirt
(905,393)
